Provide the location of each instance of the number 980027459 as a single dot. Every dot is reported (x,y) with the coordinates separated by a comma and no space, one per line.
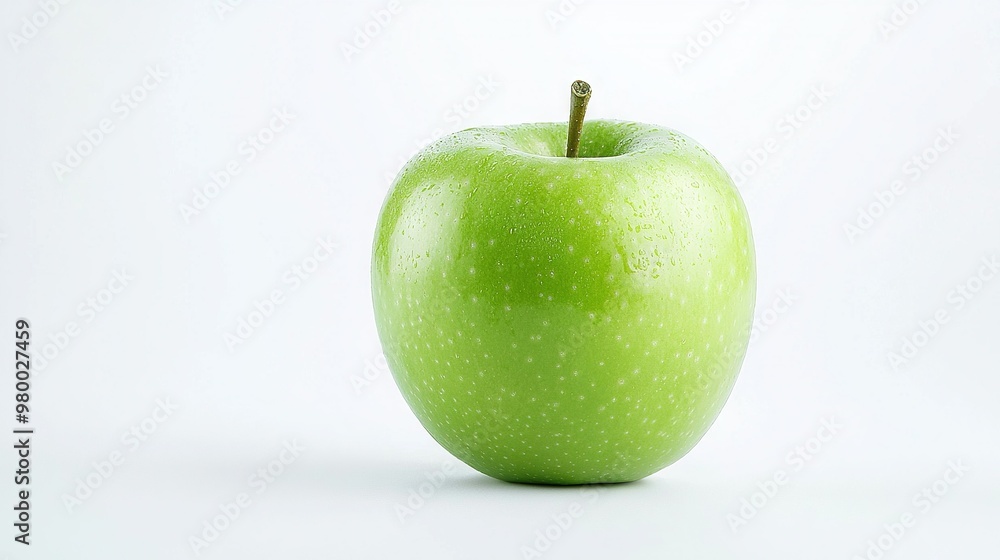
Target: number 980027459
(22,365)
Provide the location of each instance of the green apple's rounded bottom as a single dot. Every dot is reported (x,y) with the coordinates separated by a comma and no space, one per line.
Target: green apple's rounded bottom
(563,320)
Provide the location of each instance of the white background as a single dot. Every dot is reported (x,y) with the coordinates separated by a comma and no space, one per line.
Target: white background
(313,372)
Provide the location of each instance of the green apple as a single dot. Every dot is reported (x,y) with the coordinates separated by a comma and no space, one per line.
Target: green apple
(564,320)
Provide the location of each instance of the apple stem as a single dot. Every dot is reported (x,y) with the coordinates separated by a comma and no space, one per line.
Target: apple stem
(579,96)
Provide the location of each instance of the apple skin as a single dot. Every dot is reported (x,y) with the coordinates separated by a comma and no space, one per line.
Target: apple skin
(564,320)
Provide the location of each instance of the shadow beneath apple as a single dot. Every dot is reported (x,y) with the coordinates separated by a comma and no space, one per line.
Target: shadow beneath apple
(401,475)
(470,479)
